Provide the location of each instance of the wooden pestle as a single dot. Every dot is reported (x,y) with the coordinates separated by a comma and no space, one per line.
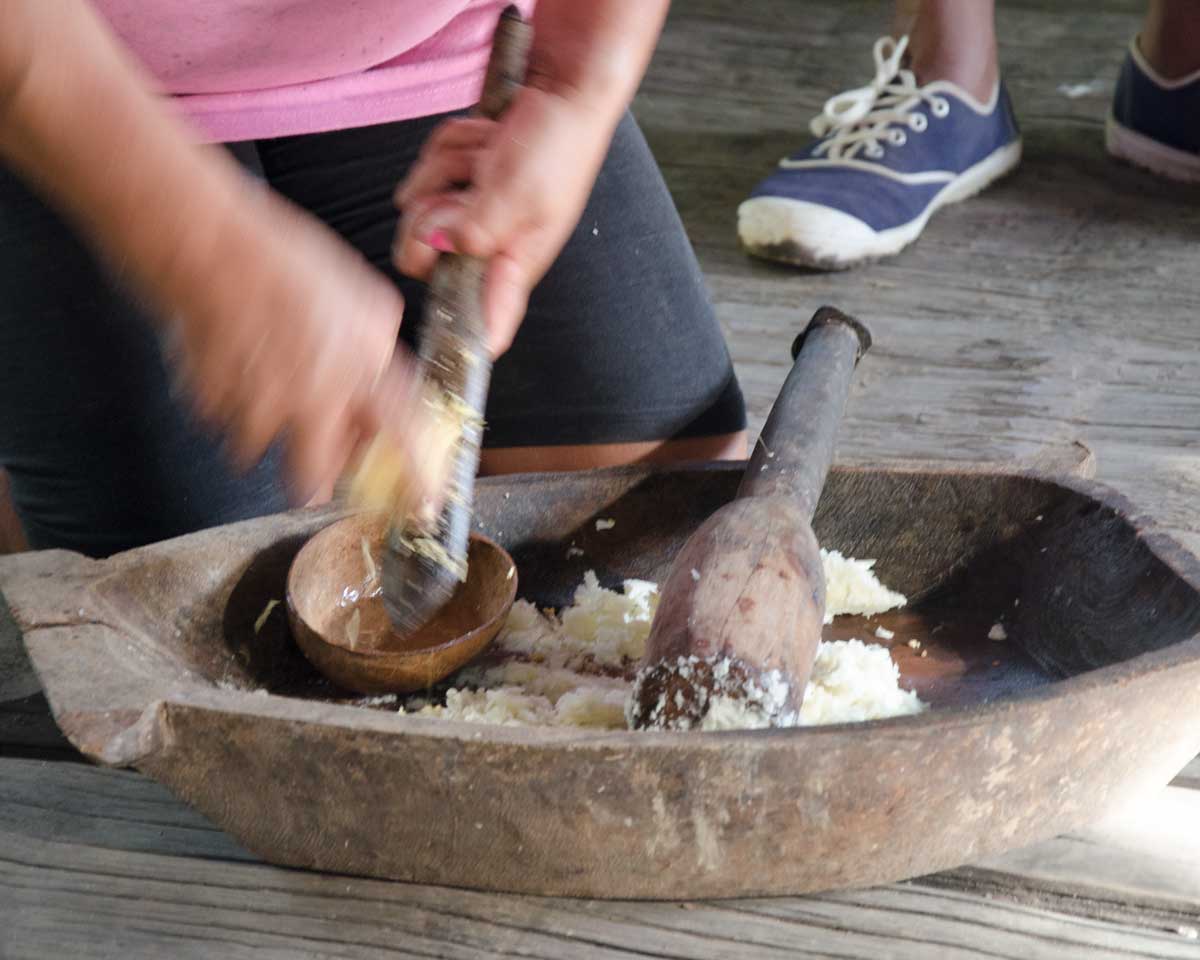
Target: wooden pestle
(741,611)
(421,569)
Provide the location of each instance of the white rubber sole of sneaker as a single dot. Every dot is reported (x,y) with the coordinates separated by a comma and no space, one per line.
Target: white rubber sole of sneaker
(811,235)
(1149,154)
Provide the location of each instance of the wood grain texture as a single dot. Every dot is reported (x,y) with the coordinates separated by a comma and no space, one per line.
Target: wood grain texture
(648,815)
(747,590)
(105,863)
(1146,856)
(1059,305)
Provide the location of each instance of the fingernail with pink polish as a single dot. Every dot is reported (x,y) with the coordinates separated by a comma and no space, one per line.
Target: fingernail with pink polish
(440,240)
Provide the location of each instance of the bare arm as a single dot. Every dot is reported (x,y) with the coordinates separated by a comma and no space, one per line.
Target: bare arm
(279,325)
(595,53)
(79,122)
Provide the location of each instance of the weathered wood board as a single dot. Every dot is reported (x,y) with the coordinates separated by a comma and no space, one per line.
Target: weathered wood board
(1059,305)
(153,659)
(102,863)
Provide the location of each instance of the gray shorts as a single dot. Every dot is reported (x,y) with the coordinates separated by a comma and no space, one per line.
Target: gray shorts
(620,344)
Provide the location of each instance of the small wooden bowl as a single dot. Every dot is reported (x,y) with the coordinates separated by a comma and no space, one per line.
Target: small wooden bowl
(331,567)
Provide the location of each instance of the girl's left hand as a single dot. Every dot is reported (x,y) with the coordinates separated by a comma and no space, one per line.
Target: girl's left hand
(509,192)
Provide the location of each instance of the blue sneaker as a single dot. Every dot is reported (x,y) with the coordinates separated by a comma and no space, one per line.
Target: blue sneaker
(887,156)
(1155,123)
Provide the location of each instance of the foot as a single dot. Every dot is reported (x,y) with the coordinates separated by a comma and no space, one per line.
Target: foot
(888,155)
(1153,120)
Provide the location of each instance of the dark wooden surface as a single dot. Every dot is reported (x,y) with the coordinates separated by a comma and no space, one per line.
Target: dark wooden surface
(1061,305)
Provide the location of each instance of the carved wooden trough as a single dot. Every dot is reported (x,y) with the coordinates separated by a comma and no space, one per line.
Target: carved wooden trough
(150,659)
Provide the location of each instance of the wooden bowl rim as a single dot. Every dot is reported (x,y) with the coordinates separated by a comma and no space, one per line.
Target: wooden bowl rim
(308,634)
(84,572)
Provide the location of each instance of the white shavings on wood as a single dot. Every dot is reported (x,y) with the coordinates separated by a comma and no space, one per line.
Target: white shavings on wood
(590,706)
(557,684)
(758,705)
(601,629)
(573,552)
(734,713)
(997,632)
(852,587)
(854,681)
(383,700)
(605,524)
(728,697)
(695,575)
(609,627)
(549,681)
(851,682)
(526,694)
(505,707)
(231,687)
(883,633)
(262,617)
(434,552)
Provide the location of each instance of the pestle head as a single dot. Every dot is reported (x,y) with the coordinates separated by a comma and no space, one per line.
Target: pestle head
(738,624)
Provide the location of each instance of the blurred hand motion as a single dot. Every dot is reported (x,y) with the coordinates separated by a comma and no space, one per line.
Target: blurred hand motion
(293,335)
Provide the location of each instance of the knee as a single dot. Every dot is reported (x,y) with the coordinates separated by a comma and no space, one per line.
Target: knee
(540,459)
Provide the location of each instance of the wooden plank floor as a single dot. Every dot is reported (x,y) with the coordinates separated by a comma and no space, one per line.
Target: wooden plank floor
(106,863)
(1058,306)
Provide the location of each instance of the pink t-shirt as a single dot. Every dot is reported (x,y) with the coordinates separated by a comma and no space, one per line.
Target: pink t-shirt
(250,69)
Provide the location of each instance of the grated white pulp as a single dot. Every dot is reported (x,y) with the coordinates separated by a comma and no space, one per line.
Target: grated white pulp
(575,668)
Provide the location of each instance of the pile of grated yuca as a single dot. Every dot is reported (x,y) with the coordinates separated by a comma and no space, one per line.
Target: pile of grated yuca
(575,668)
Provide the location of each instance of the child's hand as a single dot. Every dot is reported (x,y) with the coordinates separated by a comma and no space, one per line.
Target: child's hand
(527,178)
(288,332)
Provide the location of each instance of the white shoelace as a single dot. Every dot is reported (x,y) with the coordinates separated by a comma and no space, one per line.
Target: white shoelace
(862,120)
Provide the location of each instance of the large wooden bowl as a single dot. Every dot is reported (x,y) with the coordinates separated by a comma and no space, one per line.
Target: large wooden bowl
(378,662)
(150,659)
